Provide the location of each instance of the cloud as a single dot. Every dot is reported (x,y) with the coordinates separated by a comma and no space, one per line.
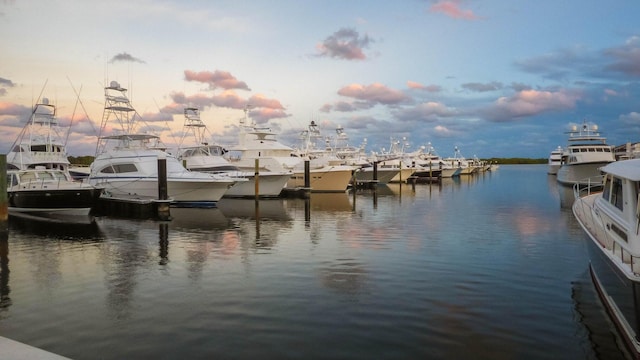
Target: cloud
(216,79)
(426,112)
(344,44)
(6,82)
(375,93)
(260,101)
(443,131)
(419,86)
(626,58)
(480,87)
(125,57)
(345,106)
(529,103)
(11,109)
(451,8)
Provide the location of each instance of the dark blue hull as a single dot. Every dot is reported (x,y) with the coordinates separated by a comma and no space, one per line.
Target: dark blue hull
(43,200)
(620,295)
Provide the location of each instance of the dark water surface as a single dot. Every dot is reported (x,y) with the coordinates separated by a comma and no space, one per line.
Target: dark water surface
(485,267)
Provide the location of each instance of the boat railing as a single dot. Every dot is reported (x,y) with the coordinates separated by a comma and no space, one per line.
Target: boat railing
(592,220)
(588,186)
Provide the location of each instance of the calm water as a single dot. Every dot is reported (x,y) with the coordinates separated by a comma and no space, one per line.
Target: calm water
(485,267)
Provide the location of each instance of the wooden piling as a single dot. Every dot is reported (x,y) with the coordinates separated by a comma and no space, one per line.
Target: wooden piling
(4,197)
(257,178)
(163,205)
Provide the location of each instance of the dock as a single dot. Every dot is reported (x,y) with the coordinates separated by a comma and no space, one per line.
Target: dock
(14,350)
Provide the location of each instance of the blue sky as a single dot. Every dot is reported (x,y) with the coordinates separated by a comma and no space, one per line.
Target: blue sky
(494,78)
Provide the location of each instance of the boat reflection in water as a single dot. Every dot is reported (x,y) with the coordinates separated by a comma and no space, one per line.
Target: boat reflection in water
(58,227)
(272,209)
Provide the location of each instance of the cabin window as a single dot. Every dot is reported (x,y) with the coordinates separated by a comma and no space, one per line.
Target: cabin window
(119,168)
(606,192)
(616,193)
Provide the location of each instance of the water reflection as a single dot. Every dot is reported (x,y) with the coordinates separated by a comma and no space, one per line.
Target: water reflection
(43,226)
(5,300)
(602,340)
(346,276)
(566,196)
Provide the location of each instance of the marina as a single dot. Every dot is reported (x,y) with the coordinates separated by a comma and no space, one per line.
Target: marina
(491,265)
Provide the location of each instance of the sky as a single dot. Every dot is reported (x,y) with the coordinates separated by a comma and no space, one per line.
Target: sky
(493,78)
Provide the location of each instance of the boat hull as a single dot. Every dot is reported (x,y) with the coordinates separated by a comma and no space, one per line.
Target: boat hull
(580,173)
(178,190)
(384,176)
(403,175)
(62,201)
(269,185)
(619,294)
(331,179)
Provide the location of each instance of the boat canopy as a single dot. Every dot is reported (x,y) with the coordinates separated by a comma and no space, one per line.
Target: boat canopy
(627,169)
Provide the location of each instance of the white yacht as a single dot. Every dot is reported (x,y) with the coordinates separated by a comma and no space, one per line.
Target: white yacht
(38,179)
(585,153)
(608,212)
(260,143)
(367,170)
(460,162)
(209,158)
(555,160)
(126,163)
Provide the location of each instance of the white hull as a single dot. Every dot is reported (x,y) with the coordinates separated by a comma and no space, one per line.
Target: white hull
(570,174)
(269,185)
(403,175)
(329,179)
(179,190)
(553,169)
(384,175)
(451,172)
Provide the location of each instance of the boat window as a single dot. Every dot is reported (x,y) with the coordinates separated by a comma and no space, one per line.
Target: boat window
(607,150)
(125,168)
(12,179)
(616,193)
(119,168)
(27,177)
(45,176)
(606,192)
(600,149)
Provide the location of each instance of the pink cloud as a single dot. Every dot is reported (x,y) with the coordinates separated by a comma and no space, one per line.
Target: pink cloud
(216,79)
(452,9)
(529,103)
(373,93)
(419,86)
(259,100)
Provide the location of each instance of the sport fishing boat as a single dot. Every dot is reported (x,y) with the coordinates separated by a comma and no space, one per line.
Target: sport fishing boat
(585,153)
(555,160)
(48,192)
(608,210)
(260,143)
(209,158)
(126,164)
(38,179)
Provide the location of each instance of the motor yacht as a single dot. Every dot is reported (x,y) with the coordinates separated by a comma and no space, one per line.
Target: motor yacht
(607,208)
(209,158)
(555,160)
(38,178)
(585,153)
(126,162)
